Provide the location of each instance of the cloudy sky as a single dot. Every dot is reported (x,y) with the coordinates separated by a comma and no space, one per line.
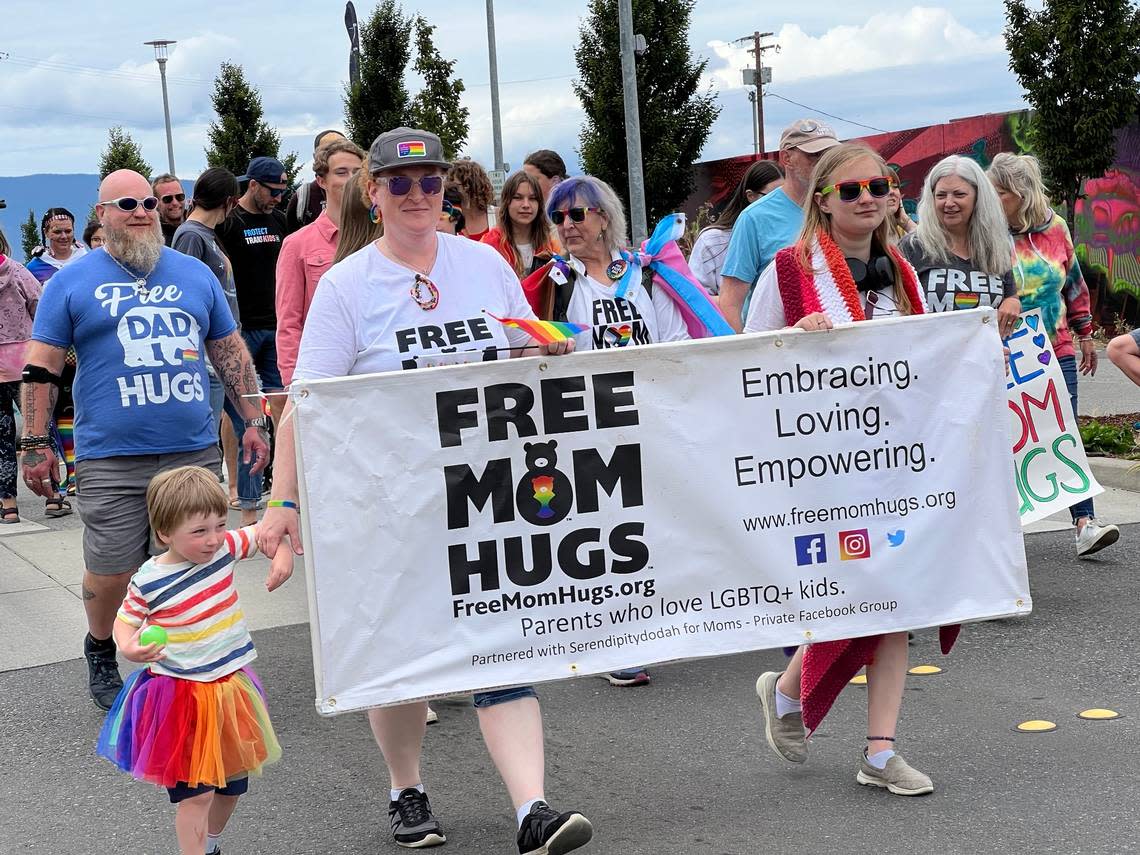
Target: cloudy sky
(69,70)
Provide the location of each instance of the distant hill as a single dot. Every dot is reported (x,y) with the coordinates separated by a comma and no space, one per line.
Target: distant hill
(76,192)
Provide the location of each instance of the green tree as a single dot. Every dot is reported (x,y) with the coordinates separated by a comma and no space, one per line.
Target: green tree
(29,235)
(122,152)
(1078,61)
(676,114)
(379,102)
(437,106)
(241,132)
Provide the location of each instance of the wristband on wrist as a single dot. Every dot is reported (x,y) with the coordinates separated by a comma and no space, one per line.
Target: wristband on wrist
(26,442)
(283,503)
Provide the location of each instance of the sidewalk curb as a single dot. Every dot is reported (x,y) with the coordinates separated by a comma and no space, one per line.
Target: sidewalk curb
(1113,472)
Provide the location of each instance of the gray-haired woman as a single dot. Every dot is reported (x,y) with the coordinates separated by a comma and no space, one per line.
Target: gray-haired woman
(961,249)
(592,227)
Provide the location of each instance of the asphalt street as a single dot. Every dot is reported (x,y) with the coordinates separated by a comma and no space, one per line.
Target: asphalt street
(680,766)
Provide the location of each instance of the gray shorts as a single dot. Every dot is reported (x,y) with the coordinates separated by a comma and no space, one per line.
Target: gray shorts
(1136,336)
(112,503)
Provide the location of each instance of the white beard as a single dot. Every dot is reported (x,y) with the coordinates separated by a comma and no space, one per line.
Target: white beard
(138,252)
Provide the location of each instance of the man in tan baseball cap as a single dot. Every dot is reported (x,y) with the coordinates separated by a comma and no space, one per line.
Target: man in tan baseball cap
(773,221)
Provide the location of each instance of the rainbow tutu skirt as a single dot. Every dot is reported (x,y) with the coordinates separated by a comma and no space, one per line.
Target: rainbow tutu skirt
(169,731)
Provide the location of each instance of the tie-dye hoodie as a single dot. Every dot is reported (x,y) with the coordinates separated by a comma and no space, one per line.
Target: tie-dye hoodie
(1049,278)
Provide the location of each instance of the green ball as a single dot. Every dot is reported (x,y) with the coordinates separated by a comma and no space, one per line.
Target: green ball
(153,634)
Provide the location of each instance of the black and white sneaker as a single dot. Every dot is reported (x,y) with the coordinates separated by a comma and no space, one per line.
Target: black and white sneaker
(103,680)
(413,825)
(547,832)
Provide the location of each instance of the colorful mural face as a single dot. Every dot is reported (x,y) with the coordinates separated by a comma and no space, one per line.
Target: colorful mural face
(1107,231)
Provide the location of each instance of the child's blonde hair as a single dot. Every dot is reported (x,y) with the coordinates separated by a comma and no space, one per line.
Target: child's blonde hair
(178,494)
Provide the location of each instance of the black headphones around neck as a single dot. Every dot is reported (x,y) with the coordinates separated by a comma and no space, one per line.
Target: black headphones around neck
(874,275)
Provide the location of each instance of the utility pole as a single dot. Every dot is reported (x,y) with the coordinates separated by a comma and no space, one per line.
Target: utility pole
(499,173)
(757,77)
(161,52)
(496,123)
(629,45)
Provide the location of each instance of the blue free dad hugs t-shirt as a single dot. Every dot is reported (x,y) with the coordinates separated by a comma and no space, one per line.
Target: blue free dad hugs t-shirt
(141,385)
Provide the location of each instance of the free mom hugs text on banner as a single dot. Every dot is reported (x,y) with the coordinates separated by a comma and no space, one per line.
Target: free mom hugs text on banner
(507,523)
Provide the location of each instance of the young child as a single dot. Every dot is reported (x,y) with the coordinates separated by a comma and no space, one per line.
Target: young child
(195,720)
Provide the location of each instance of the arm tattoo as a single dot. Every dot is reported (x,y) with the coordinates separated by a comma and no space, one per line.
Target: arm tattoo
(37,405)
(232,363)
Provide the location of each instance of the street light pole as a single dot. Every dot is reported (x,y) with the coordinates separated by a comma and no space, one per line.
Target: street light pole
(161,53)
(496,125)
(637,213)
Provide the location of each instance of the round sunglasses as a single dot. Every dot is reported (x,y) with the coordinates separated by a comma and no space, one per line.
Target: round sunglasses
(129,203)
(576,215)
(849,191)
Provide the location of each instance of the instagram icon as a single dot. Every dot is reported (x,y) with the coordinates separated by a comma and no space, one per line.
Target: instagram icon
(854,545)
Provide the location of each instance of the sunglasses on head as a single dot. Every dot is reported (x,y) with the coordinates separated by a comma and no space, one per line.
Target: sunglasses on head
(577,215)
(172,197)
(849,191)
(129,203)
(401,185)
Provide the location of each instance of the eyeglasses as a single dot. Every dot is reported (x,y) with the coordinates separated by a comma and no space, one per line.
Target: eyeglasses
(172,197)
(275,191)
(129,203)
(849,191)
(401,185)
(577,215)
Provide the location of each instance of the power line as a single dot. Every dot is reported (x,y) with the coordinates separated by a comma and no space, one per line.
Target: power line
(829,115)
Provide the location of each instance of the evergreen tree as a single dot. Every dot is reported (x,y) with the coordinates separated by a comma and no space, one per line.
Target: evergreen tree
(122,152)
(241,133)
(379,102)
(437,107)
(1078,61)
(675,115)
(29,235)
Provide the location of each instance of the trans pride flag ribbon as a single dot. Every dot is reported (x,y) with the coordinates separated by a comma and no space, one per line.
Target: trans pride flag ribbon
(544,332)
(670,272)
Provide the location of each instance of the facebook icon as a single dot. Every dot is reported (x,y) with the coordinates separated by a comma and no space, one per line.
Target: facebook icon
(811,549)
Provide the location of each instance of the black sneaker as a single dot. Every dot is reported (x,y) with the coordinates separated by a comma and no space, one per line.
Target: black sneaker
(103,680)
(413,825)
(546,832)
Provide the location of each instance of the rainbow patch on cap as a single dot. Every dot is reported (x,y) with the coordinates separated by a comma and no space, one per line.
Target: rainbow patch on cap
(411,149)
(966,301)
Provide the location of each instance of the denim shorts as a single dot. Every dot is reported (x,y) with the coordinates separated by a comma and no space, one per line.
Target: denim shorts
(236,787)
(503,696)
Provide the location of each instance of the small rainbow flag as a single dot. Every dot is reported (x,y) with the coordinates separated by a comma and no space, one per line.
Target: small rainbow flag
(544,332)
(966,301)
(189,356)
(411,149)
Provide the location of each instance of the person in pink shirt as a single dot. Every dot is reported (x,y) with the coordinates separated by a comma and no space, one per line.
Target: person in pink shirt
(19,296)
(308,253)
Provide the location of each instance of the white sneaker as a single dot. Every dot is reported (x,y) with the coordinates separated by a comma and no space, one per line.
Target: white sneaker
(1093,538)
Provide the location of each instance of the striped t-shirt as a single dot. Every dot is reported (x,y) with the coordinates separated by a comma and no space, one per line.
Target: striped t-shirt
(197,605)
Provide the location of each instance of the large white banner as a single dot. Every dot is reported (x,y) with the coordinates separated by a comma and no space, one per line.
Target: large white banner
(1050,466)
(498,524)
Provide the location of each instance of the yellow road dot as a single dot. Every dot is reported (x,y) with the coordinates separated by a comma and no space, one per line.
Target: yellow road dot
(858,680)
(1098,714)
(1036,726)
(924,670)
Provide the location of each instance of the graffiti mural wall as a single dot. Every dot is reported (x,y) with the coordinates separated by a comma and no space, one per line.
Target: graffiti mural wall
(1108,220)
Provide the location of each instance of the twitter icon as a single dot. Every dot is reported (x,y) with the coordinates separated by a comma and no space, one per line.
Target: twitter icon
(896,538)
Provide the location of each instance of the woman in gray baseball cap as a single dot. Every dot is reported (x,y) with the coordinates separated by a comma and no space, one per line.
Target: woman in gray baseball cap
(417,297)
